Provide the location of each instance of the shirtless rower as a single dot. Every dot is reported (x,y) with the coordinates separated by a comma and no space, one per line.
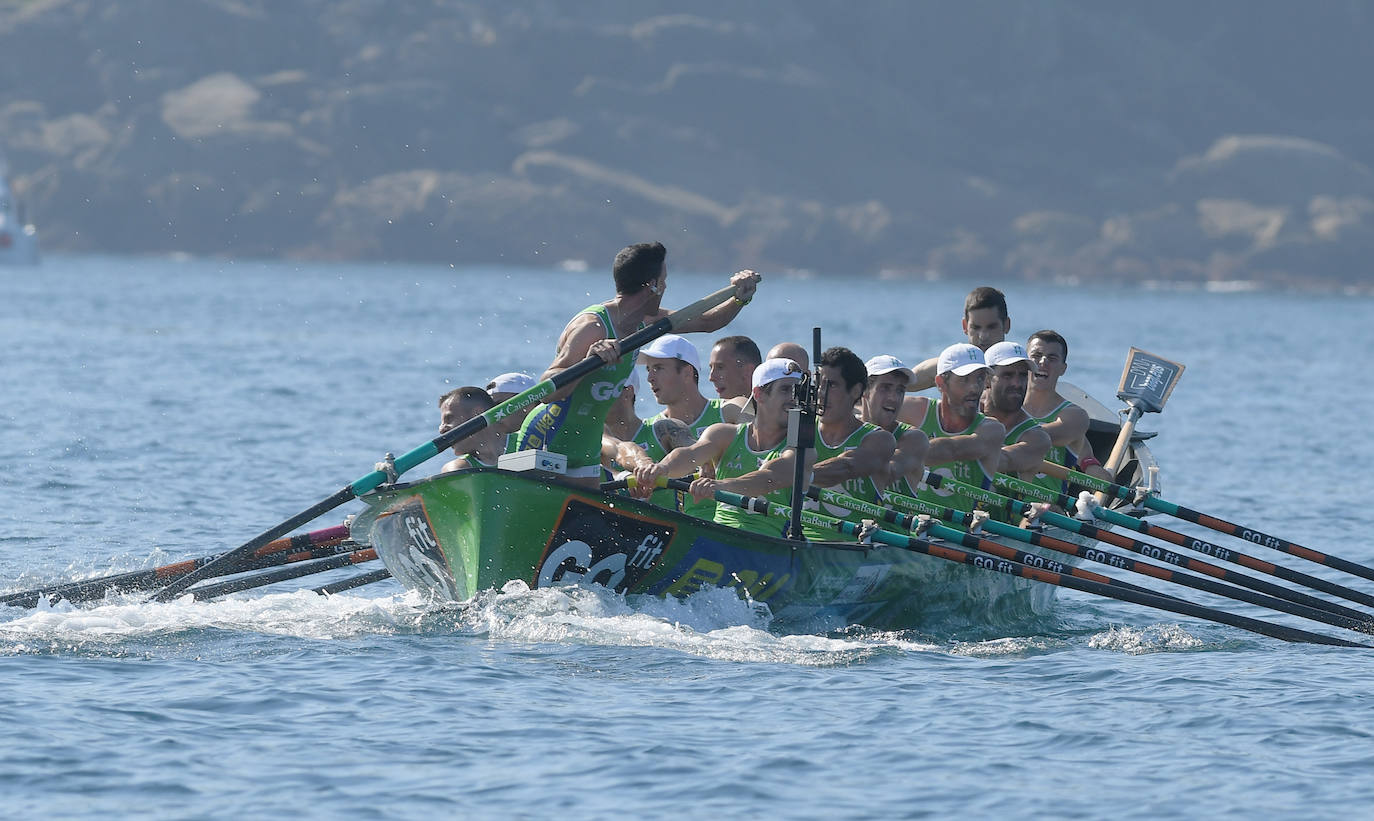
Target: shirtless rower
(882,399)
(985,322)
(965,445)
(481,449)
(750,458)
(571,421)
(1026,443)
(851,454)
(1065,422)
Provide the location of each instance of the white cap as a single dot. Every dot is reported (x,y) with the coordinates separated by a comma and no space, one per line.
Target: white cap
(961,358)
(514,382)
(774,369)
(1005,352)
(672,346)
(887,363)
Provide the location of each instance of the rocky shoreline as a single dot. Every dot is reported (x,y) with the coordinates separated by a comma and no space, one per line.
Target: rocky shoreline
(1051,141)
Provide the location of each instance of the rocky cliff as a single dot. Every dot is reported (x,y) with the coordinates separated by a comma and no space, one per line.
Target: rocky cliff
(1060,139)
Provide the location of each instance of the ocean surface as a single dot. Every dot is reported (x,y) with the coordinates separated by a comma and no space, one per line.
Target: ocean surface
(158,409)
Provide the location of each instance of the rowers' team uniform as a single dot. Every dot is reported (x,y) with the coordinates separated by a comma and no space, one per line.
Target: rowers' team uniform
(860,488)
(969,471)
(574,425)
(646,438)
(1059,454)
(738,460)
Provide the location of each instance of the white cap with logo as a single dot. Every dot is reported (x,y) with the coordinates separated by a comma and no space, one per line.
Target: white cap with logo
(1005,352)
(887,363)
(672,346)
(771,370)
(961,358)
(514,382)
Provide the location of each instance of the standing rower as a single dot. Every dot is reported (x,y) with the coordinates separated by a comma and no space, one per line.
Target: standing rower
(571,420)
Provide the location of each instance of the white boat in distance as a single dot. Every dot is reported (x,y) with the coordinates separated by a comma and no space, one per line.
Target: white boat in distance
(18,237)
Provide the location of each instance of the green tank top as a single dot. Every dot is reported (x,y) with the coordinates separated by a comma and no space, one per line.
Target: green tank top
(738,460)
(969,471)
(860,488)
(647,439)
(574,425)
(1058,454)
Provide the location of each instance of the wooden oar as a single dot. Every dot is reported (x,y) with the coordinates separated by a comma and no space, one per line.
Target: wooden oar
(1211,522)
(1149,549)
(356,581)
(1008,567)
(1234,556)
(249,582)
(519,403)
(269,555)
(919,506)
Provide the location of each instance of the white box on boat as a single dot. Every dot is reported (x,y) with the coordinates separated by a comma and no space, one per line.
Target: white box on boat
(544,460)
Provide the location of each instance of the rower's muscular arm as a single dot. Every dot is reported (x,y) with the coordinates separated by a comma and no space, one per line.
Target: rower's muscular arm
(683,460)
(909,459)
(574,345)
(984,445)
(1070,426)
(775,474)
(1023,457)
(872,457)
(745,282)
(925,376)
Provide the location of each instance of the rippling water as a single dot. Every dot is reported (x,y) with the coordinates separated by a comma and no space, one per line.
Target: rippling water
(156,410)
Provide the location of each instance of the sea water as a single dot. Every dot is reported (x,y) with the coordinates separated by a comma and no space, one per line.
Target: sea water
(159,409)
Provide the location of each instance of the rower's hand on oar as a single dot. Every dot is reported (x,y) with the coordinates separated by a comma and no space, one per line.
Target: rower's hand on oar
(746,283)
(646,480)
(607,350)
(704,488)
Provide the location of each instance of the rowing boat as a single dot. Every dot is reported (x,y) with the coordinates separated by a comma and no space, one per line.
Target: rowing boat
(455,534)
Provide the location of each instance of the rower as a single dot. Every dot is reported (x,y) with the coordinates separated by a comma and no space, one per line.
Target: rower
(1065,422)
(853,455)
(673,371)
(965,445)
(480,449)
(888,378)
(1026,443)
(792,351)
(571,420)
(730,367)
(985,322)
(501,388)
(749,458)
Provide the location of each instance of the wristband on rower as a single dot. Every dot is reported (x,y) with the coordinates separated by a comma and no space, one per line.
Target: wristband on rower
(1088,461)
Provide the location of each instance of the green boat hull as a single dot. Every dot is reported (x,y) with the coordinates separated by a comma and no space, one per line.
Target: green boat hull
(455,534)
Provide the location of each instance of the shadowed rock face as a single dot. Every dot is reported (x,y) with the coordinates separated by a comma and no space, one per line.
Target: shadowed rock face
(1048,140)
